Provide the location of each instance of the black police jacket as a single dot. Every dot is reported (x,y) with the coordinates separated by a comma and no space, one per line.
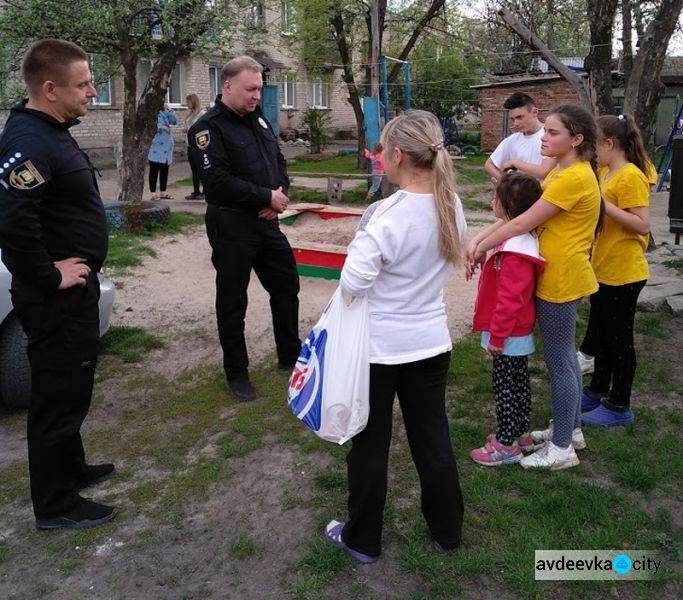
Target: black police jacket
(239,158)
(50,205)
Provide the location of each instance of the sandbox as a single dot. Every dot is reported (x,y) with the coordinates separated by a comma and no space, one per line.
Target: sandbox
(319,235)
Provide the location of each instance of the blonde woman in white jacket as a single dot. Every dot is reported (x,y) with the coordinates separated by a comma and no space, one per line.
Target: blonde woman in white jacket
(403,252)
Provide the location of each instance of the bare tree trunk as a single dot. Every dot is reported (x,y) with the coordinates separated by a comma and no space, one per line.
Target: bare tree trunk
(644,88)
(598,63)
(627,39)
(349,79)
(550,38)
(532,40)
(434,8)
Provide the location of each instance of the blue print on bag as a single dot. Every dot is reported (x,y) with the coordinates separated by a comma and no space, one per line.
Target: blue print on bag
(306,383)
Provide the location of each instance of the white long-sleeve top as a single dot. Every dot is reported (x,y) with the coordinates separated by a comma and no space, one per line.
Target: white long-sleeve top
(394,258)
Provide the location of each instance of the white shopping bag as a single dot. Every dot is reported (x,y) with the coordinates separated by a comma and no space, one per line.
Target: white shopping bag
(329,389)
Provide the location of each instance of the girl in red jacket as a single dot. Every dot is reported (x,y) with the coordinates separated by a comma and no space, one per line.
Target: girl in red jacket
(505,314)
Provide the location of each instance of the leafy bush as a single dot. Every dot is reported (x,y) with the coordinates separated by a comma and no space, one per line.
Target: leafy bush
(317,120)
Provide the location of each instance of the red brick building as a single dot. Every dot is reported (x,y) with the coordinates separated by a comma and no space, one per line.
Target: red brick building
(546,90)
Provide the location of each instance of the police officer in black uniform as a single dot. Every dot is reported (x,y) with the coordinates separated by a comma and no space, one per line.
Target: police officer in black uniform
(245,183)
(53,235)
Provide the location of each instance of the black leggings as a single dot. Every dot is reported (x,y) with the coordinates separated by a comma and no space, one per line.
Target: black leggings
(421,390)
(158,170)
(609,337)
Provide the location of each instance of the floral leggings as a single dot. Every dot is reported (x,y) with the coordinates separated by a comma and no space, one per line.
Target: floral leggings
(513,397)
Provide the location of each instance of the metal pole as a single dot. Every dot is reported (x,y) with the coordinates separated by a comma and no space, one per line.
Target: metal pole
(385,91)
(406,69)
(374,49)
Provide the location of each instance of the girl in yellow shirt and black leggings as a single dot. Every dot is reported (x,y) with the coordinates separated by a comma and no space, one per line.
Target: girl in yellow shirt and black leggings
(621,269)
(565,219)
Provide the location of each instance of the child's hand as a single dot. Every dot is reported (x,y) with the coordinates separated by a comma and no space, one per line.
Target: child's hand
(494,351)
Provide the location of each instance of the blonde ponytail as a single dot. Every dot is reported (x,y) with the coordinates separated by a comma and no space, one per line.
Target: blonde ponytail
(418,134)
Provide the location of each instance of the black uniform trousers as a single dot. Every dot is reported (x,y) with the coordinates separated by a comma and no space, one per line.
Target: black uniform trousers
(63,343)
(609,337)
(421,390)
(240,242)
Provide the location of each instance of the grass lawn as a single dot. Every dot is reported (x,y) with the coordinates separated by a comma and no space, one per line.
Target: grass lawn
(195,441)
(337,164)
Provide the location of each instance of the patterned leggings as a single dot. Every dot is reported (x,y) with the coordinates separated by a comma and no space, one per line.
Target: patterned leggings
(513,397)
(557,322)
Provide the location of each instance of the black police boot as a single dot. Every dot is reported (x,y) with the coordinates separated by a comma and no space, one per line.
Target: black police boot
(94,474)
(241,388)
(86,513)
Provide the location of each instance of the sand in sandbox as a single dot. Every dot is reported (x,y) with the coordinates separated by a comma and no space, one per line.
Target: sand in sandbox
(310,228)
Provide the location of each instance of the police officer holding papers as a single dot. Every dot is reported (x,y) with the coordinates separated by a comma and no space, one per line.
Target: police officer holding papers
(245,183)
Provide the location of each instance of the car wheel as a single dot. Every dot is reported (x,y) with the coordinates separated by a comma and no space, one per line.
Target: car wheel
(15,371)
(157,212)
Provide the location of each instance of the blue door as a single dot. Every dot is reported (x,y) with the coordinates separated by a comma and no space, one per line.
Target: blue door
(271,106)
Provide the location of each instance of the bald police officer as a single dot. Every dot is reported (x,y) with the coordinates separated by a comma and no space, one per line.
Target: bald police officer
(245,183)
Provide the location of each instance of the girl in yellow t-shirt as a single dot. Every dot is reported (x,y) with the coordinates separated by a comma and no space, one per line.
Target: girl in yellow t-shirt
(621,269)
(565,219)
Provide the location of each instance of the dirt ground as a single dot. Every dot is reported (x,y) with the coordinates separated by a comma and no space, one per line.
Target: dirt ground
(173,294)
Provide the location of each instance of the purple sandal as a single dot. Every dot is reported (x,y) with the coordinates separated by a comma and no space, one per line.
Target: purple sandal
(333,532)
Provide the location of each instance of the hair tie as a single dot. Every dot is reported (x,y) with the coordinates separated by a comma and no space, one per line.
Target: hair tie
(436,146)
(621,117)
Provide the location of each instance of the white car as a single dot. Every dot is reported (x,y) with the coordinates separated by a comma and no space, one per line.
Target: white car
(15,371)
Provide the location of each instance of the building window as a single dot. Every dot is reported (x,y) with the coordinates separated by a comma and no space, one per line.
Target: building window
(287,20)
(174,93)
(288,90)
(214,82)
(100,69)
(257,15)
(319,94)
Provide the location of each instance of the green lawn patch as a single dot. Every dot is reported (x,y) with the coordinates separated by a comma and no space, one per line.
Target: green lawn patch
(129,343)
(338,164)
(349,196)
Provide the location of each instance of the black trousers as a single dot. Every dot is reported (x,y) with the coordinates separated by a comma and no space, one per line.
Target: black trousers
(158,170)
(510,379)
(241,242)
(609,337)
(195,168)
(63,343)
(421,389)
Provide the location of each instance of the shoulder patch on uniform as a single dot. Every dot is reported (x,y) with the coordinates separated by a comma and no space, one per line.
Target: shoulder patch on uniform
(202,139)
(25,176)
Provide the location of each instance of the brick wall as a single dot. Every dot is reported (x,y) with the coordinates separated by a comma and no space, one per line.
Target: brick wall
(546,94)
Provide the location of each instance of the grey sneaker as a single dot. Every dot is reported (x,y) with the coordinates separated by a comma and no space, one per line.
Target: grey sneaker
(587,363)
(551,457)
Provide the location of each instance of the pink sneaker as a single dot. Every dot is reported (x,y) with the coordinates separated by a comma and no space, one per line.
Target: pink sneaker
(524,441)
(493,453)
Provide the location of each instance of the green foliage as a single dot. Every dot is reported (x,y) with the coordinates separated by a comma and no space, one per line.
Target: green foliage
(441,76)
(317,120)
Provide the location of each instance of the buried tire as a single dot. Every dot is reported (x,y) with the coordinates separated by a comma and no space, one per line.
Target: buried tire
(15,370)
(150,212)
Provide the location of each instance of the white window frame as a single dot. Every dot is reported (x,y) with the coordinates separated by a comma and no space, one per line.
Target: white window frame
(288,90)
(96,100)
(287,20)
(257,15)
(146,68)
(319,93)
(177,71)
(214,82)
